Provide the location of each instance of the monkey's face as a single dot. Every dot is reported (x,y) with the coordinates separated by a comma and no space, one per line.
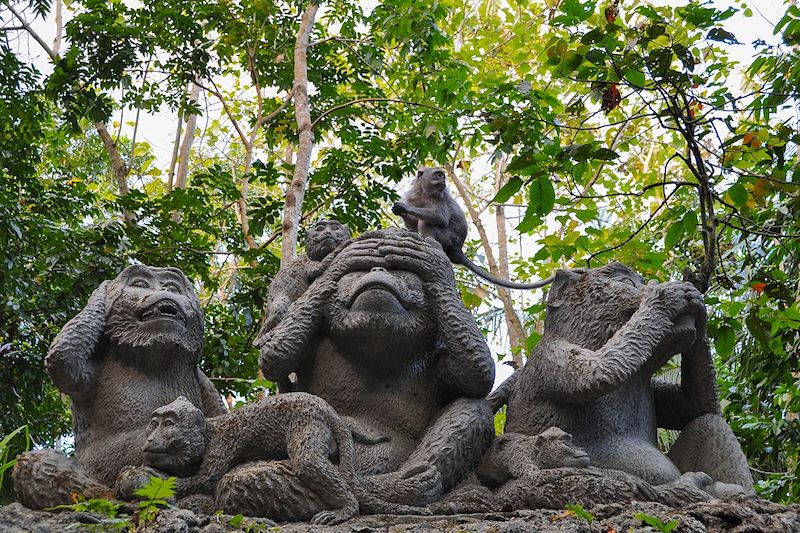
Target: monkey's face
(382,315)
(323,237)
(555,449)
(154,314)
(177,438)
(432,180)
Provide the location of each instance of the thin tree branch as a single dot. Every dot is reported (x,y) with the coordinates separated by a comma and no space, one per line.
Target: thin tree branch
(364,100)
(53,55)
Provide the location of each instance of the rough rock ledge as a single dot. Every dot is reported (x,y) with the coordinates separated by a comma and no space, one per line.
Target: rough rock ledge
(752,515)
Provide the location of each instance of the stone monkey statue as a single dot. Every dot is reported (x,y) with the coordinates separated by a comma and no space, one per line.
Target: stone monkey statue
(382,335)
(548,471)
(512,455)
(297,427)
(291,282)
(428,209)
(134,347)
(606,334)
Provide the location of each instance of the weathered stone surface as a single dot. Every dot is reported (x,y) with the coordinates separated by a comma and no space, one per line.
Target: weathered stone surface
(383,336)
(605,336)
(752,515)
(134,347)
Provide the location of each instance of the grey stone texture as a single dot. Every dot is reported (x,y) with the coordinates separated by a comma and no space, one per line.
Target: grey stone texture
(133,348)
(592,374)
(299,429)
(383,337)
(322,238)
(738,516)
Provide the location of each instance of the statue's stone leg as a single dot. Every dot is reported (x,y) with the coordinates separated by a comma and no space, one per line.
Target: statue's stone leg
(269,489)
(46,478)
(707,444)
(456,441)
(321,476)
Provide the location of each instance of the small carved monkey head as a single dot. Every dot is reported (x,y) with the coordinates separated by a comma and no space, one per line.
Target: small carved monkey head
(554,449)
(588,308)
(177,438)
(323,237)
(154,316)
(431,180)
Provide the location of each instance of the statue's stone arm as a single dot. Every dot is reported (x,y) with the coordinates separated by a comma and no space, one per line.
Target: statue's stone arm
(278,294)
(213,405)
(677,405)
(70,359)
(282,349)
(467,367)
(576,374)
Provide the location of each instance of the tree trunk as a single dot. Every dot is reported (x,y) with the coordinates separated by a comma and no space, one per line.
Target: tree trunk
(297,189)
(182,173)
(516,334)
(117,164)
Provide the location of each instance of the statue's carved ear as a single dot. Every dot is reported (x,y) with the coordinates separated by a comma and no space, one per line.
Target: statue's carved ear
(68,360)
(563,280)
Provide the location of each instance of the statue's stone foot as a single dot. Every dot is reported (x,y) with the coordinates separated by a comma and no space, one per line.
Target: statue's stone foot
(415,486)
(691,487)
(466,499)
(47,478)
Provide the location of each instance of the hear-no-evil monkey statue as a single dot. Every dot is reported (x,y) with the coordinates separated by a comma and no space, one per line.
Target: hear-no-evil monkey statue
(382,335)
(133,348)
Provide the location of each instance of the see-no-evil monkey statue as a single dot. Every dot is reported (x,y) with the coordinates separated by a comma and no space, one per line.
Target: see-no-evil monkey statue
(382,335)
(591,374)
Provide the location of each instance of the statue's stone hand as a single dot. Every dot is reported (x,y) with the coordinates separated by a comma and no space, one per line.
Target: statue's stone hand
(680,306)
(353,256)
(414,254)
(418,485)
(133,478)
(671,299)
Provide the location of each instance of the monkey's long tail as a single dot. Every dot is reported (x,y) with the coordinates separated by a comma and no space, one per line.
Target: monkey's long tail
(461,259)
(368,502)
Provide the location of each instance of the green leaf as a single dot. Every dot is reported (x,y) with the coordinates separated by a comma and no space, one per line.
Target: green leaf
(718,34)
(577,9)
(596,56)
(508,190)
(690,221)
(605,154)
(635,77)
(738,194)
(724,341)
(157,489)
(673,235)
(542,195)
